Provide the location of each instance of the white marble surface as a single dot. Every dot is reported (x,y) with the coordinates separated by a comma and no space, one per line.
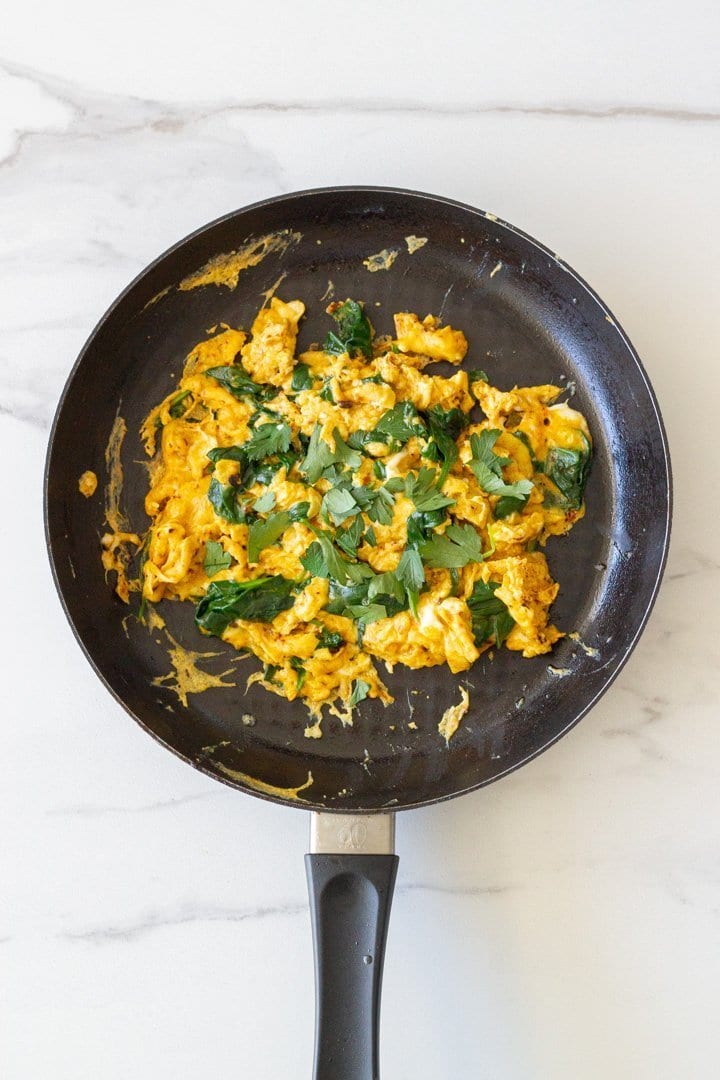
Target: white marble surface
(561,924)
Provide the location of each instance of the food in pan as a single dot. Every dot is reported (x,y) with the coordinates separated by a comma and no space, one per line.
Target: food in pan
(87,484)
(342,507)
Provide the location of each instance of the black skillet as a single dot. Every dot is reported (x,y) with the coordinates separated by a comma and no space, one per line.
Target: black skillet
(529,319)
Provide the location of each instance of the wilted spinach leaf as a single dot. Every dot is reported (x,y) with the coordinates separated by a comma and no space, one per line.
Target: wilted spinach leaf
(257,600)
(491,619)
(226,502)
(568,470)
(177,406)
(302,378)
(353,334)
(236,379)
(330,639)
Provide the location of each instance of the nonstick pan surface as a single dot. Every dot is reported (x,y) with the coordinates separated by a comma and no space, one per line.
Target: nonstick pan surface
(529,319)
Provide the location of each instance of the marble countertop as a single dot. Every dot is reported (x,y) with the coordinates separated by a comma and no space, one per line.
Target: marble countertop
(560,924)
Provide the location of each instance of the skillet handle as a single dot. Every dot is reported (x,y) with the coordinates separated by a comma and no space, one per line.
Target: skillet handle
(350,898)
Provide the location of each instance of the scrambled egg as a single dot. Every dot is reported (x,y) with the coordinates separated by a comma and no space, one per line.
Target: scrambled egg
(87,484)
(342,507)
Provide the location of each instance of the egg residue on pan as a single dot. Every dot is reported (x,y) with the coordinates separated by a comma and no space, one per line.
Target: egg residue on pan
(345,506)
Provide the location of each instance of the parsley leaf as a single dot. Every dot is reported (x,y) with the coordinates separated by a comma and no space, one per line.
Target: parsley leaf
(236,379)
(338,504)
(491,619)
(344,594)
(345,454)
(262,534)
(314,560)
(445,425)
(399,424)
(358,440)
(225,501)
(424,490)
(410,570)
(322,559)
(252,472)
(265,503)
(366,613)
(359,693)
(326,393)
(457,546)
(257,600)
(348,539)
(229,453)
(216,558)
(318,457)
(420,525)
(297,665)
(476,375)
(509,504)
(354,333)
(267,439)
(387,584)
(487,466)
(377,503)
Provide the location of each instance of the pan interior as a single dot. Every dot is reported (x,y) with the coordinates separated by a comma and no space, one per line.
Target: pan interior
(529,320)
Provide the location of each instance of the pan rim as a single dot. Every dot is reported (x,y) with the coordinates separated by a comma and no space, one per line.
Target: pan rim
(370,190)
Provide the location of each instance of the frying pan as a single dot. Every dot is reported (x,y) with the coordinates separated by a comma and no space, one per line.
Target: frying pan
(529,319)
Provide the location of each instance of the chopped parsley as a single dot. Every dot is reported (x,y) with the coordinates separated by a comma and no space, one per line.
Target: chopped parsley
(359,693)
(445,428)
(318,457)
(457,546)
(398,424)
(423,490)
(338,504)
(265,503)
(264,533)
(267,439)
(487,467)
(216,558)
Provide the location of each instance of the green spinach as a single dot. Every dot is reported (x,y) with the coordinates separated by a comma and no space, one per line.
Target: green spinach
(237,380)
(491,620)
(257,600)
(353,334)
